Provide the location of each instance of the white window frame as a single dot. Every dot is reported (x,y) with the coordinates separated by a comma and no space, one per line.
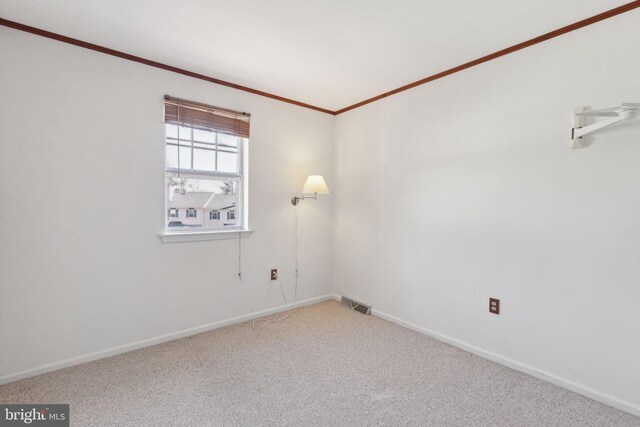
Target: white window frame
(240,227)
(214,215)
(171,215)
(242,182)
(192,213)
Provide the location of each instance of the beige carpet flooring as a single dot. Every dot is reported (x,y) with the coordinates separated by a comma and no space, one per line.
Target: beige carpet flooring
(325,366)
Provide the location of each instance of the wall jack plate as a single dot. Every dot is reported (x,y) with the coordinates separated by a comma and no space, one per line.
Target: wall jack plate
(494,305)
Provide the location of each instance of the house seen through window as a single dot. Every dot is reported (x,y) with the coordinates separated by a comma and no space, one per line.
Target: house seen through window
(204,166)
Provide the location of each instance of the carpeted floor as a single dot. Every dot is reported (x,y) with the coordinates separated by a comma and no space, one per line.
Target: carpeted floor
(325,366)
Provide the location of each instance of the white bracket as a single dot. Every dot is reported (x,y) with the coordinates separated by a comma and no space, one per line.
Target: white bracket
(613,115)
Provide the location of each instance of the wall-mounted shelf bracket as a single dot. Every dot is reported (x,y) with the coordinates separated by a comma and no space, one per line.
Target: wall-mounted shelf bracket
(626,111)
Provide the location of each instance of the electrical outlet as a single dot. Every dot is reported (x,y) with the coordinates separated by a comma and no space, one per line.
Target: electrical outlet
(274,274)
(494,305)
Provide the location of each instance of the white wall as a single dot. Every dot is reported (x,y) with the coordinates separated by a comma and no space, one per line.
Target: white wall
(466,188)
(82,268)
(444,195)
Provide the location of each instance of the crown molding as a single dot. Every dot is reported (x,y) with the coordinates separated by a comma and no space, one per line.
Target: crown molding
(138,59)
(553,34)
(560,31)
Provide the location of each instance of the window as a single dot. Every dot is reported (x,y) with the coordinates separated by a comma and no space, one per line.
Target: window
(205,151)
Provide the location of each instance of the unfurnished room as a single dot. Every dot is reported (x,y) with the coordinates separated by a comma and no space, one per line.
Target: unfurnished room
(319,213)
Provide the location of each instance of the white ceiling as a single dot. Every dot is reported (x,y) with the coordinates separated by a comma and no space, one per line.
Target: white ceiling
(329,53)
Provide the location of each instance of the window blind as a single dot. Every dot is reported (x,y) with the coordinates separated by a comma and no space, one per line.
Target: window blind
(189,113)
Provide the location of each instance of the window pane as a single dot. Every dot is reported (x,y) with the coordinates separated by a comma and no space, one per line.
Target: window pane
(172,156)
(202,203)
(171,131)
(227,162)
(204,136)
(227,140)
(228,187)
(204,160)
(185,158)
(185,133)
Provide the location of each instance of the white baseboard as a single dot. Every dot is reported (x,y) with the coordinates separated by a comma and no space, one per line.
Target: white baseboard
(153,341)
(518,366)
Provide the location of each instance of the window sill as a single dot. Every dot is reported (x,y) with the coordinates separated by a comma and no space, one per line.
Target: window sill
(198,236)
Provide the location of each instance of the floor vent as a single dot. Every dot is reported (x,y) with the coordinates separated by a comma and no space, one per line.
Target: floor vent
(356,305)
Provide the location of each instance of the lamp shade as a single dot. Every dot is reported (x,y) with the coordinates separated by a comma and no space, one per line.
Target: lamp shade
(315,184)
